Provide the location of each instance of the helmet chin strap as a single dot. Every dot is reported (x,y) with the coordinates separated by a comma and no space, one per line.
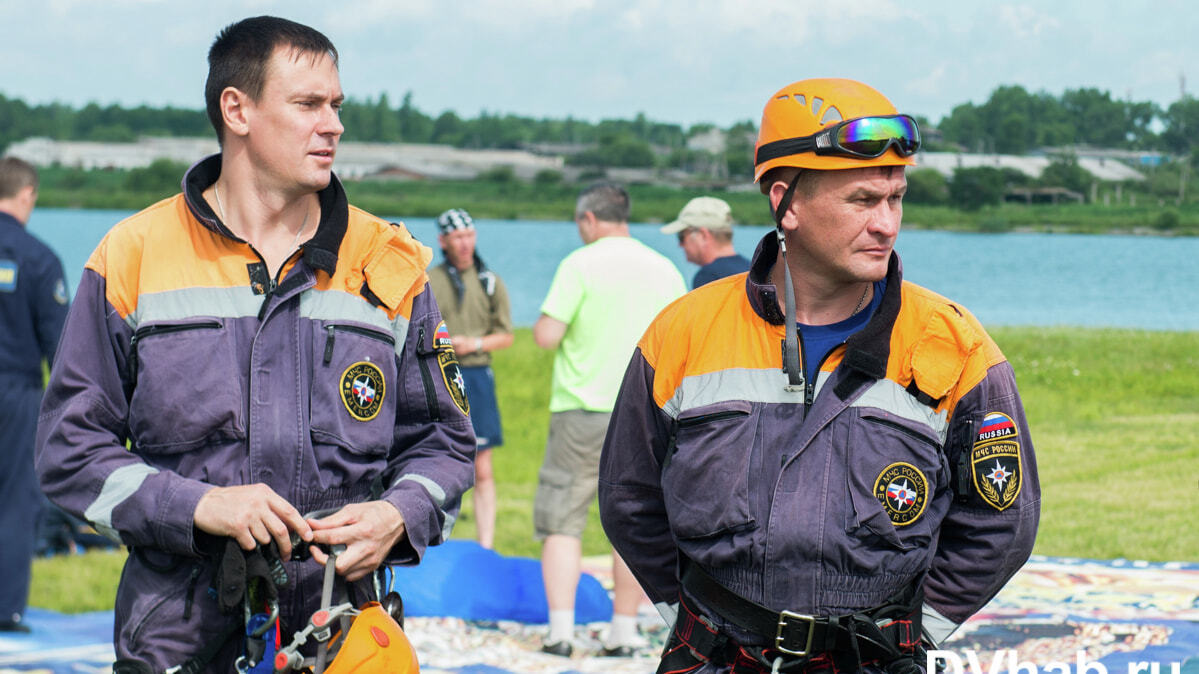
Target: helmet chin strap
(795,378)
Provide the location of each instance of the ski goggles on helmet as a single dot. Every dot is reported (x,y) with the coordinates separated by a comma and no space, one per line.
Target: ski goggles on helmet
(860,138)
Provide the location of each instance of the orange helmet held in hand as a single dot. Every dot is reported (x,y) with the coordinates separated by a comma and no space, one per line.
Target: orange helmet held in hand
(833,124)
(375,644)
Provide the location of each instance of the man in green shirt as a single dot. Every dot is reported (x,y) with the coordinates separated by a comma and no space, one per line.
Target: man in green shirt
(602,298)
(474,304)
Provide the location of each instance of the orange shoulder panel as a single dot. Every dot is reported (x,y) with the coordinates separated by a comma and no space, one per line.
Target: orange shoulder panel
(140,255)
(387,257)
(940,345)
(710,329)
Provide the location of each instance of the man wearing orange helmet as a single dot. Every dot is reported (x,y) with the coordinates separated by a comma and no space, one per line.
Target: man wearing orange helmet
(835,495)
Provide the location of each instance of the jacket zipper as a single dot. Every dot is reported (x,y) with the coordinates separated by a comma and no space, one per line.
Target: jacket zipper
(672,446)
(330,331)
(273,283)
(426,378)
(153,330)
(271,287)
(809,385)
(964,473)
(902,429)
(809,394)
(714,416)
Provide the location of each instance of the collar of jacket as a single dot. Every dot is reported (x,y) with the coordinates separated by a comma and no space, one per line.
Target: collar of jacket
(7,219)
(320,252)
(867,350)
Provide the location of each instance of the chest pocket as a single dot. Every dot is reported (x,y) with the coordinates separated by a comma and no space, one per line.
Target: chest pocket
(894,471)
(706,475)
(354,388)
(896,462)
(189,361)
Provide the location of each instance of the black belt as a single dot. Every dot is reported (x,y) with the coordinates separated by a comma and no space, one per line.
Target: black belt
(882,633)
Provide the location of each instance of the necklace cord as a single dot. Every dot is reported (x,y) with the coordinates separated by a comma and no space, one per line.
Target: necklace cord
(216,193)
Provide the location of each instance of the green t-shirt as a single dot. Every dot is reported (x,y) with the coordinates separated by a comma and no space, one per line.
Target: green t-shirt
(607,293)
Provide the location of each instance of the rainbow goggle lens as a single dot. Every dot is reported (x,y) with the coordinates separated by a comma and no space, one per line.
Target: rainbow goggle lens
(860,138)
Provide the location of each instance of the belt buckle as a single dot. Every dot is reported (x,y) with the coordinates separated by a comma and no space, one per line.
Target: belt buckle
(784,619)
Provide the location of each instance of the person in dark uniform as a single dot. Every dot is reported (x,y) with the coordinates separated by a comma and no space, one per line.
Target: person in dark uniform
(33,307)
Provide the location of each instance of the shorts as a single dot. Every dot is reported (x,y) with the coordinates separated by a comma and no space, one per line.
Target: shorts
(569,475)
(484,410)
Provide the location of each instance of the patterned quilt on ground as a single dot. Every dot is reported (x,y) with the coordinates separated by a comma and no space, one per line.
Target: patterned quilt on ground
(1057,615)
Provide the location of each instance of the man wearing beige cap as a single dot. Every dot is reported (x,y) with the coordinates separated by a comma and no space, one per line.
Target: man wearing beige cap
(705,229)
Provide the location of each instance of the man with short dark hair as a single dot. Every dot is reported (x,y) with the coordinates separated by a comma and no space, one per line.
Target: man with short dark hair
(821,467)
(601,299)
(474,301)
(33,306)
(705,231)
(268,352)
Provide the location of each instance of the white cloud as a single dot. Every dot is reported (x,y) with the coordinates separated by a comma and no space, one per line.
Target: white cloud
(931,83)
(1025,22)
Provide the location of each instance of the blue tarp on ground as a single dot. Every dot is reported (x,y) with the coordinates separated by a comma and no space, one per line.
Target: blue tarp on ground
(462,579)
(60,644)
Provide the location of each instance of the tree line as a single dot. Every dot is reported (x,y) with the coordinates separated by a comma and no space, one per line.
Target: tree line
(1011,121)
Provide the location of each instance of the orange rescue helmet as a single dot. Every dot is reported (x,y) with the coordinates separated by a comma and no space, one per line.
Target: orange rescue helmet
(375,645)
(805,107)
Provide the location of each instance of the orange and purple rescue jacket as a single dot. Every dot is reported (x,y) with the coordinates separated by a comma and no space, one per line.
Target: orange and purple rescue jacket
(908,460)
(332,383)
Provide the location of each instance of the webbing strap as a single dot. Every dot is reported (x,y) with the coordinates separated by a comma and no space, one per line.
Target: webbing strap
(791,340)
(881,633)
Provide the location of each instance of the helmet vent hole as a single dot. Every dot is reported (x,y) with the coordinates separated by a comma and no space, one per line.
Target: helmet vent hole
(831,116)
(816,104)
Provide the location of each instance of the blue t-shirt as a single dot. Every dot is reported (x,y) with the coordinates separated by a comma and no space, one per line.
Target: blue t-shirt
(818,340)
(718,269)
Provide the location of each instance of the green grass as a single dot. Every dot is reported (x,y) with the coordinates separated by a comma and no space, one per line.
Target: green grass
(77,583)
(1113,413)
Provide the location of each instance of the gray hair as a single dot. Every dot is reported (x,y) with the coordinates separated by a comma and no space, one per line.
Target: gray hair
(608,201)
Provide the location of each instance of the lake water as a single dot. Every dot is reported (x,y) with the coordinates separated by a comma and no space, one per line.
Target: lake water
(1005,279)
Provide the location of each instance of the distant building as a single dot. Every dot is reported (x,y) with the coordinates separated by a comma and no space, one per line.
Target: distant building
(712,140)
(1042,195)
(354,160)
(1101,168)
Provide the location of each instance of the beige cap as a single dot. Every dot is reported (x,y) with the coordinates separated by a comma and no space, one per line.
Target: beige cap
(708,212)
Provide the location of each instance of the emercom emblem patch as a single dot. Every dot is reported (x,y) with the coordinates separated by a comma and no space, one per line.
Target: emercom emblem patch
(903,491)
(995,461)
(451,374)
(362,390)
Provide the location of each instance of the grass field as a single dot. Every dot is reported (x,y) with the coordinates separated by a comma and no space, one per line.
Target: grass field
(1114,416)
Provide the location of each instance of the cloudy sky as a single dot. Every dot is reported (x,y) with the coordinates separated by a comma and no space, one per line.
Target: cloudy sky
(676,61)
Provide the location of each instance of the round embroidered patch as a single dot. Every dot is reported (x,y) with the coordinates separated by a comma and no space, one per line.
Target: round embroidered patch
(903,491)
(362,390)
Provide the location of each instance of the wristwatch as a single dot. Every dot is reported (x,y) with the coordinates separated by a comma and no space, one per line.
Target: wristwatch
(479,344)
